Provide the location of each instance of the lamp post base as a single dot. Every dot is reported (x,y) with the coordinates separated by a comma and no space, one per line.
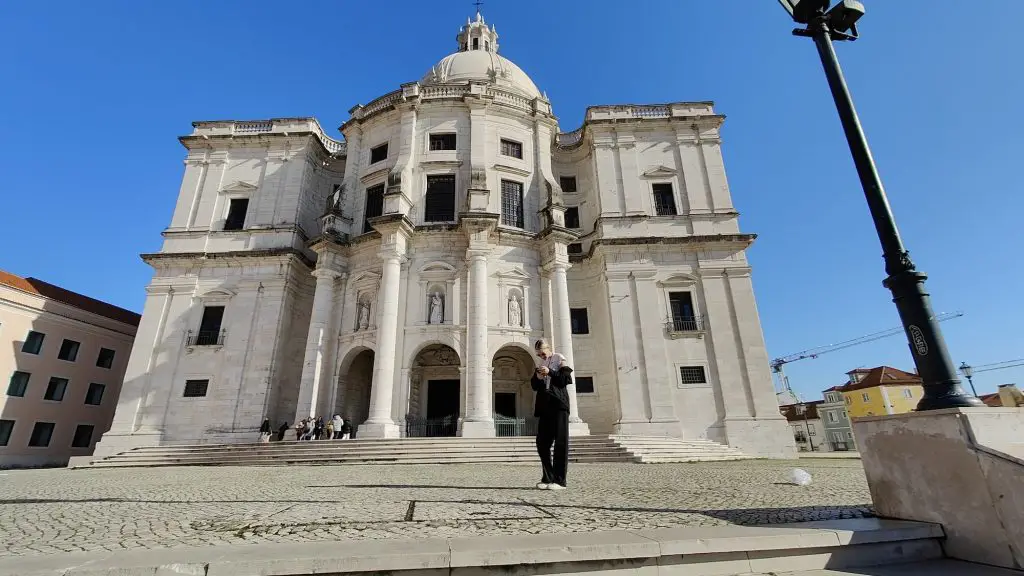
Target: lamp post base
(955,400)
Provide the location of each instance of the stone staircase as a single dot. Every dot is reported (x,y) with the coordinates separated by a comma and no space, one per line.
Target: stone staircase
(582,449)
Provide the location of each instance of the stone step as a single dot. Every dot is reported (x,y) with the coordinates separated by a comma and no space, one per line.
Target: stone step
(342,449)
(860,546)
(226,459)
(445,441)
(532,460)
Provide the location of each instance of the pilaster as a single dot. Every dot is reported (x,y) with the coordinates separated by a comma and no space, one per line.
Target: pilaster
(479,419)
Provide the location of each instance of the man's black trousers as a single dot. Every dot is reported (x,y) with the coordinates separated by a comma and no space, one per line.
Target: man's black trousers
(553,429)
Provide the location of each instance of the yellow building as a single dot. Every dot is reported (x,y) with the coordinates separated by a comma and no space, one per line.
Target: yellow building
(881,390)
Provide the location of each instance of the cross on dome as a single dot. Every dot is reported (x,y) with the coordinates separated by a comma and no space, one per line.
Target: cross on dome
(475,35)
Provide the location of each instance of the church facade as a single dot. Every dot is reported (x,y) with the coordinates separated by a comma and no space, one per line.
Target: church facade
(400,276)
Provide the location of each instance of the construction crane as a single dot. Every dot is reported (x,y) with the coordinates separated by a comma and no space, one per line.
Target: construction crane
(778,363)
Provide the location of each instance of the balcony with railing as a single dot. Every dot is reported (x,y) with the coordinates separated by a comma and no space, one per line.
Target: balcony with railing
(205,338)
(681,326)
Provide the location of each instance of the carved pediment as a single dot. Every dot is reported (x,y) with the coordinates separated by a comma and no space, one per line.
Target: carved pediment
(659,171)
(239,186)
(215,294)
(513,275)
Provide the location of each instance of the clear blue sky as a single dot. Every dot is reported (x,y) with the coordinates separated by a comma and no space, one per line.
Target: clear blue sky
(95,94)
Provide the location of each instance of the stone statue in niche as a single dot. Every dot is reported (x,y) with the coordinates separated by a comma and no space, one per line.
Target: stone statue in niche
(515,311)
(436,309)
(364,315)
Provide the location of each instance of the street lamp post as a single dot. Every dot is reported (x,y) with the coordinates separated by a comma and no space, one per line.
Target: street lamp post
(968,371)
(927,346)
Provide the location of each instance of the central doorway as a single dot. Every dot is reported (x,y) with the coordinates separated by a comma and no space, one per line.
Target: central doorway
(435,393)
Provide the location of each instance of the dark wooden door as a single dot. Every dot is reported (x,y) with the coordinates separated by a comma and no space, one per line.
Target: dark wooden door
(505,404)
(442,398)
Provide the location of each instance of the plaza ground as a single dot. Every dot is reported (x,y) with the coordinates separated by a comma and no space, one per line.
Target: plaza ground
(57,511)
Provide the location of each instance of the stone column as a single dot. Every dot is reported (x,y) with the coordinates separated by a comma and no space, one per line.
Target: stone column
(563,340)
(381,424)
(479,421)
(314,365)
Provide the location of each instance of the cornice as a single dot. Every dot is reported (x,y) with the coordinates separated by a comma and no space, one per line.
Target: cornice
(157,258)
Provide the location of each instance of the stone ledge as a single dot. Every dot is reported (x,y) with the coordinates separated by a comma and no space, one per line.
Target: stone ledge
(740,545)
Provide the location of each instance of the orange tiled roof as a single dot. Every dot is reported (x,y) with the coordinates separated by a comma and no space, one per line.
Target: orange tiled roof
(58,294)
(883,376)
(992,400)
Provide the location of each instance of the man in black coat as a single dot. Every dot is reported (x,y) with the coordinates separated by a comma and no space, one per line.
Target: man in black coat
(552,410)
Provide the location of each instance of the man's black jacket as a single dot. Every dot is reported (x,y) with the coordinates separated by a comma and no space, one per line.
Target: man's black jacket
(557,398)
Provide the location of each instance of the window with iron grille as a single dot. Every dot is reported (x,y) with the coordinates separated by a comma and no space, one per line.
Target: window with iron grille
(575,248)
(439,205)
(512,203)
(236,214)
(379,153)
(585,385)
(83,436)
(196,388)
(684,318)
(442,141)
(209,327)
(572,217)
(578,320)
(568,183)
(374,205)
(511,148)
(692,375)
(664,200)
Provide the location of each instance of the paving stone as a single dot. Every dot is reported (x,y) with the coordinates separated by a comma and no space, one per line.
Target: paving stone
(58,511)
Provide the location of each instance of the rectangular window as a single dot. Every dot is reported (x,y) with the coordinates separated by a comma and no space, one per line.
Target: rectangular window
(692,375)
(908,393)
(439,204)
(572,217)
(832,417)
(849,435)
(55,389)
(842,415)
(865,397)
(575,248)
(568,183)
(379,153)
(68,350)
(236,214)
(442,141)
(848,401)
(511,148)
(42,432)
(374,206)
(580,322)
(83,436)
(33,342)
(512,203)
(105,359)
(6,428)
(664,200)
(209,327)
(94,396)
(584,385)
(811,429)
(684,317)
(196,388)
(18,384)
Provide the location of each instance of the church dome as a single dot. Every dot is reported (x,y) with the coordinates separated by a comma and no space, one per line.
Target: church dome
(478,59)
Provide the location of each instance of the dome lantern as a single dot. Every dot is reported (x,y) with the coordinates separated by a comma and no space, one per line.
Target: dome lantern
(475,35)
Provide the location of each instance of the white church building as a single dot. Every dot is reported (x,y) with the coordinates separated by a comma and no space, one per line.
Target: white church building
(400,276)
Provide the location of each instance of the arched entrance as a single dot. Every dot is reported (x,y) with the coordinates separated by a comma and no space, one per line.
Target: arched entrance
(435,393)
(353,400)
(513,397)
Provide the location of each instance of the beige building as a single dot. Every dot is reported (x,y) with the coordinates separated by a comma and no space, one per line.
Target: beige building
(63,356)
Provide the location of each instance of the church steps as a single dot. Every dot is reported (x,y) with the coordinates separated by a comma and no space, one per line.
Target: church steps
(583,449)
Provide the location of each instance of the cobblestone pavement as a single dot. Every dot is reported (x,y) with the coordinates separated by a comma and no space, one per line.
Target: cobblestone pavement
(55,511)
